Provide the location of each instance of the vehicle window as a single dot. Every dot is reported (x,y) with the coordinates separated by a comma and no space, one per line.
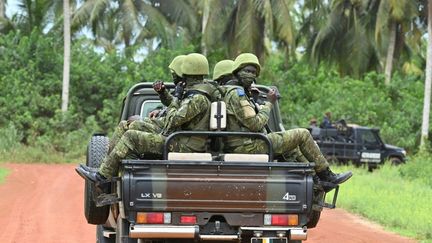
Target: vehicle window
(148,106)
(368,137)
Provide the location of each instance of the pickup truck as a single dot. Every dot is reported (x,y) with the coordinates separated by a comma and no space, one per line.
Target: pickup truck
(201,197)
(358,144)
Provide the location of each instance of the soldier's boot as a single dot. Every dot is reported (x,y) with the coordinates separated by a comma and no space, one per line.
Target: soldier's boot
(88,168)
(328,176)
(91,175)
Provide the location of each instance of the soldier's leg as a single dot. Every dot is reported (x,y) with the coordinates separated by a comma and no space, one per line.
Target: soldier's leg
(132,142)
(121,128)
(146,125)
(301,138)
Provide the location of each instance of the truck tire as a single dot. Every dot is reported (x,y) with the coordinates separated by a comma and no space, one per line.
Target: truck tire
(96,151)
(100,238)
(314,218)
(395,161)
(122,232)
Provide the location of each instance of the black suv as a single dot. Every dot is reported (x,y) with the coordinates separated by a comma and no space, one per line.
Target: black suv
(361,145)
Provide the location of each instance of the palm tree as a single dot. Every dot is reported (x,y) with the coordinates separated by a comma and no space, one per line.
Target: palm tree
(66,56)
(394,18)
(345,39)
(428,81)
(41,15)
(253,24)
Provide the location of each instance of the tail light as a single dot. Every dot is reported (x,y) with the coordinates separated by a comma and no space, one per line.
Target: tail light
(188,219)
(281,219)
(153,218)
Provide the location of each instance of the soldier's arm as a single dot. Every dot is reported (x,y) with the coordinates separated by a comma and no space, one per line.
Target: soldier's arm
(189,108)
(245,112)
(166,97)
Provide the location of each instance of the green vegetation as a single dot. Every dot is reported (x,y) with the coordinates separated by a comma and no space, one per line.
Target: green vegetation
(390,197)
(3,173)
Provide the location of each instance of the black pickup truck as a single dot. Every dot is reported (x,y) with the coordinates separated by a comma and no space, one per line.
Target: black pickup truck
(200,197)
(358,144)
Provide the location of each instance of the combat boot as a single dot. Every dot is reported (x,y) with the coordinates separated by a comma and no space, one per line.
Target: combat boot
(91,175)
(328,176)
(88,168)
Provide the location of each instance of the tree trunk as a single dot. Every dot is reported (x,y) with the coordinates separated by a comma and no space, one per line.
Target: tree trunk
(66,58)
(2,9)
(206,14)
(390,53)
(427,94)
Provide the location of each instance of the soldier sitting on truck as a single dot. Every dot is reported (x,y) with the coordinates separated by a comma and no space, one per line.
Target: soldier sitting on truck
(154,123)
(192,113)
(222,74)
(242,116)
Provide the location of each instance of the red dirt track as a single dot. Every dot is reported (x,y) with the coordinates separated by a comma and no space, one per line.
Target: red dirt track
(44,203)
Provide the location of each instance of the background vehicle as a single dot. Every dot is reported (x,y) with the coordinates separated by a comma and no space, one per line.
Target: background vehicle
(212,196)
(361,145)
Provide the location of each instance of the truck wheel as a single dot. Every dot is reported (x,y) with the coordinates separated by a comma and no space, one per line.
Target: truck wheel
(313,221)
(122,232)
(395,161)
(100,238)
(96,151)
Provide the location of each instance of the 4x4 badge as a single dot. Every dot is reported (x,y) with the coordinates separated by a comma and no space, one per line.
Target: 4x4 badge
(289,197)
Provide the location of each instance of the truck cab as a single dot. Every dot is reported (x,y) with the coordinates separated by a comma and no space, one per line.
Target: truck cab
(201,197)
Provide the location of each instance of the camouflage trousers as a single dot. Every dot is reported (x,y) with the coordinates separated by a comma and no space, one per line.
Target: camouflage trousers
(289,142)
(132,143)
(145,125)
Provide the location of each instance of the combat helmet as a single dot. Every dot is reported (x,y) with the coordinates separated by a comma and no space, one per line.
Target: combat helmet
(176,63)
(222,68)
(245,59)
(195,64)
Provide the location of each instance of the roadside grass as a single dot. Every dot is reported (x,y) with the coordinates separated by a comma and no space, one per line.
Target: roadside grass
(400,204)
(27,154)
(3,173)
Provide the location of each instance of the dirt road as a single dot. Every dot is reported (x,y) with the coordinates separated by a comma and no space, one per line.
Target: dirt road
(43,203)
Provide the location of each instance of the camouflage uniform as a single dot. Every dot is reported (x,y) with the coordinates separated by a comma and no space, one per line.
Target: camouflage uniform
(243,117)
(146,124)
(191,114)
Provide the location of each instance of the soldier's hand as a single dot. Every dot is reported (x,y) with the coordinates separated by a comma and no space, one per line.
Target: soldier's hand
(272,96)
(179,90)
(153,114)
(159,86)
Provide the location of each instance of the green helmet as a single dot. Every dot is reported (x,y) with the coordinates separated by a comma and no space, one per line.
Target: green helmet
(176,64)
(222,68)
(195,64)
(245,59)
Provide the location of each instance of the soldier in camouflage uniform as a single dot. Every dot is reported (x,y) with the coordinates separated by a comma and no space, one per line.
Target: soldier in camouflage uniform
(242,116)
(222,74)
(192,113)
(154,123)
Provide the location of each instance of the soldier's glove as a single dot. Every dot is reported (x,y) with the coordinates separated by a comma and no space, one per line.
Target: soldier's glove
(179,90)
(271,96)
(159,86)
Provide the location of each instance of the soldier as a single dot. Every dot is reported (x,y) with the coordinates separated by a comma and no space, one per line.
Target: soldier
(154,123)
(192,113)
(242,116)
(222,74)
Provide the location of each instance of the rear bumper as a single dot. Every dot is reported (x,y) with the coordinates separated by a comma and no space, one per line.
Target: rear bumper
(192,232)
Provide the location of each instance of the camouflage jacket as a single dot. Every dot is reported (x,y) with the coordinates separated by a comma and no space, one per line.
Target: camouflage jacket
(192,113)
(243,115)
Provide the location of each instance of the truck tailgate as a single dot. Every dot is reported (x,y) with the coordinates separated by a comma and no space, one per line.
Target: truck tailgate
(214,186)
